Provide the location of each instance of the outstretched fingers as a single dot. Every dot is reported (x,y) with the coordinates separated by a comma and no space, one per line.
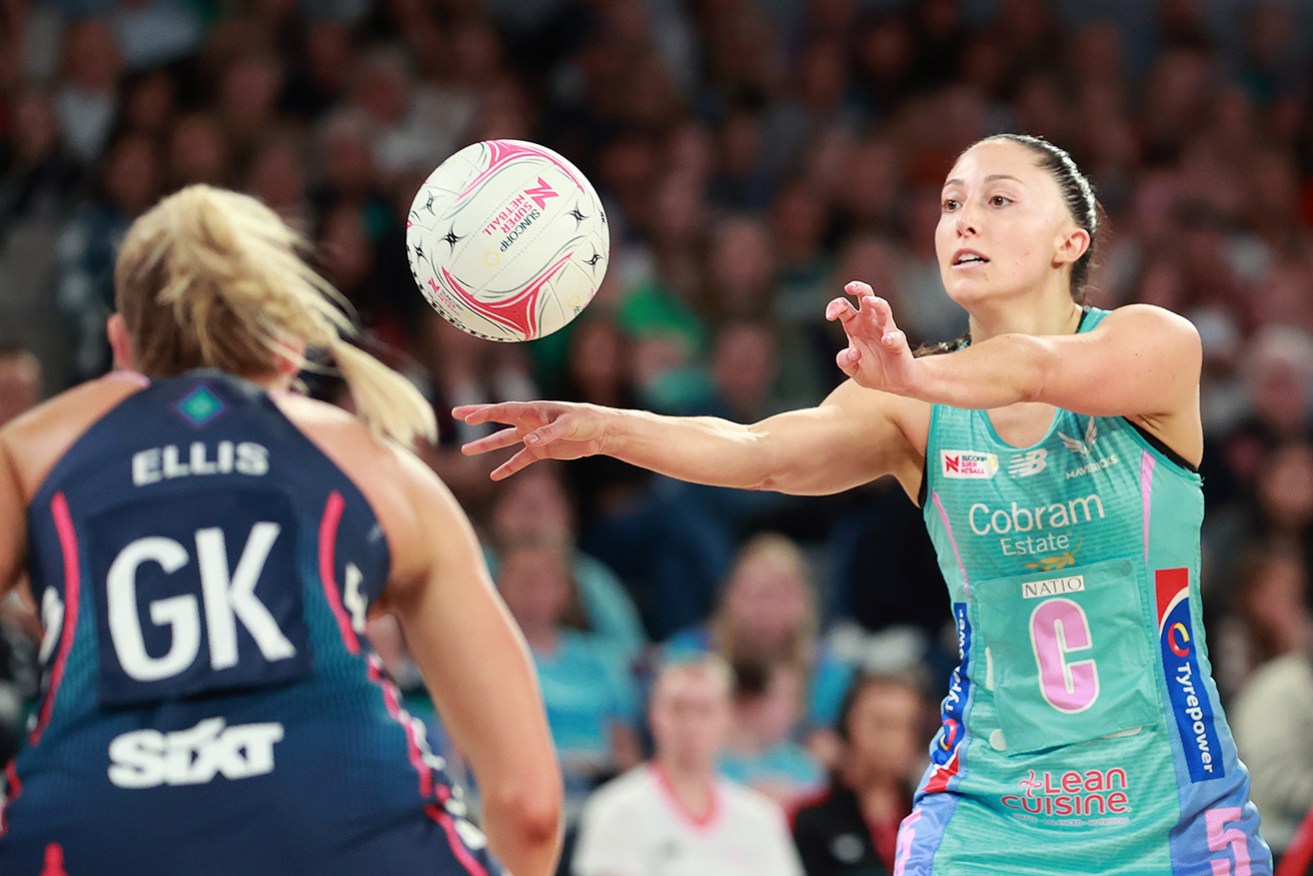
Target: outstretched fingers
(519,462)
(496,441)
(512,413)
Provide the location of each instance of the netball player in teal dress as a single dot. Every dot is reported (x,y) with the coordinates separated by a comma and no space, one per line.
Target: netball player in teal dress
(1054,455)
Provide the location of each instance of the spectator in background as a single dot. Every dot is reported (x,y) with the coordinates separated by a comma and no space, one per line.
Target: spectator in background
(1272,715)
(675,814)
(129,182)
(852,828)
(37,175)
(20,380)
(538,509)
(768,612)
(1298,860)
(588,692)
(86,100)
(761,753)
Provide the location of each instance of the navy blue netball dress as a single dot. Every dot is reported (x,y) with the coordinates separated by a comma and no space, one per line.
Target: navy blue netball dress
(211,704)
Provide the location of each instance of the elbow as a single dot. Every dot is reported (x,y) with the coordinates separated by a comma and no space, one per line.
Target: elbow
(1039,362)
(529,809)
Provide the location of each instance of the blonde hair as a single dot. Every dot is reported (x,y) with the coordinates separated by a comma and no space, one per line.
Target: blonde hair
(213,278)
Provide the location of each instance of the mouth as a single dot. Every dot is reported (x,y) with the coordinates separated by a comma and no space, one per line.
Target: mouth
(967,258)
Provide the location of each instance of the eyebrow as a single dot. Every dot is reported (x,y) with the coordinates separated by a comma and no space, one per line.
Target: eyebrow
(993,177)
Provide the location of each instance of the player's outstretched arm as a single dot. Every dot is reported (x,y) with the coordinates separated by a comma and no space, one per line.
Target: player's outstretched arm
(853,437)
(478,670)
(1140,361)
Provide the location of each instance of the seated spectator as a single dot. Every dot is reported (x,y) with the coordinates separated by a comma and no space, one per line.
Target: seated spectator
(852,828)
(675,814)
(535,506)
(767,612)
(761,753)
(586,690)
(1272,716)
(1298,860)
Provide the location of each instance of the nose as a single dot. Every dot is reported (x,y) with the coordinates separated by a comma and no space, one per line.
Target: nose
(967,221)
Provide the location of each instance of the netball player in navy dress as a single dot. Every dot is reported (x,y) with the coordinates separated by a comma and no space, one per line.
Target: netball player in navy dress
(204,547)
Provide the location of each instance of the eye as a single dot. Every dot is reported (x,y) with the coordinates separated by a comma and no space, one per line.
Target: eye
(999,201)
(950,204)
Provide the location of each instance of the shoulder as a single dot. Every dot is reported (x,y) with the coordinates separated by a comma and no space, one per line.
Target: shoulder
(37,439)
(1148,321)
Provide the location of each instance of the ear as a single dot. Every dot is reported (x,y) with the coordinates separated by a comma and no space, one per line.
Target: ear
(120,343)
(288,361)
(1071,246)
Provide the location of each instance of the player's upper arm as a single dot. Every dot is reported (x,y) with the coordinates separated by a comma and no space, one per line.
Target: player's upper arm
(13,522)
(472,656)
(853,437)
(1140,361)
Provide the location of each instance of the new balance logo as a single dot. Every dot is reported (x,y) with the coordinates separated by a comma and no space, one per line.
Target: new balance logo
(1029,464)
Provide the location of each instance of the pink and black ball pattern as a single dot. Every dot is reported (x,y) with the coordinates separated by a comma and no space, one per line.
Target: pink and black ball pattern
(507,240)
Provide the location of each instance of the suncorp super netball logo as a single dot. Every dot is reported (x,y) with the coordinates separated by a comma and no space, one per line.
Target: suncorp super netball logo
(1190,702)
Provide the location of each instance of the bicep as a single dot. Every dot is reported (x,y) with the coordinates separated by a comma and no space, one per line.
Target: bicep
(852,438)
(1140,361)
(13,523)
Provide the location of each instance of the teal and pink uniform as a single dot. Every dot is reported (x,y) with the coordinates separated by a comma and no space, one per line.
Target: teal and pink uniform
(1082,731)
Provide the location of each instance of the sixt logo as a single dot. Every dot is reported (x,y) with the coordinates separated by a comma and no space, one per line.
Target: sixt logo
(1190,701)
(968,464)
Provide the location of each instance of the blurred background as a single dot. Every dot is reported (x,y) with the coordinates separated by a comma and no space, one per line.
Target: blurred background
(753,155)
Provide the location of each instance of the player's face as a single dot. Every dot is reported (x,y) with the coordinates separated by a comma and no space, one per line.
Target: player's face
(690,718)
(1002,224)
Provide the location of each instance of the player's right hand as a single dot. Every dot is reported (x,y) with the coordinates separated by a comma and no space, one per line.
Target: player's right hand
(545,430)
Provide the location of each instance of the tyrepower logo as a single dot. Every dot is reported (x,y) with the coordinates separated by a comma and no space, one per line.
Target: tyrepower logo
(149,758)
(1185,686)
(968,464)
(1073,795)
(945,749)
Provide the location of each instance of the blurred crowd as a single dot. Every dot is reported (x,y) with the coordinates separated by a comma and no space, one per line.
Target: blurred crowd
(753,156)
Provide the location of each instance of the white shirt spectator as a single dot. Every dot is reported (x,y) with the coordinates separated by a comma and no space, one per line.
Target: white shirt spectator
(636,826)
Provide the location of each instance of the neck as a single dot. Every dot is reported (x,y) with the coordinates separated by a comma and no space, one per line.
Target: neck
(691,783)
(1054,313)
(879,797)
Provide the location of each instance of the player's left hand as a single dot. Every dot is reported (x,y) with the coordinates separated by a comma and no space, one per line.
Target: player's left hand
(877,355)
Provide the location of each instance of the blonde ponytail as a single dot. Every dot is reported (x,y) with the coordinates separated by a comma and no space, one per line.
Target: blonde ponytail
(388,403)
(212,278)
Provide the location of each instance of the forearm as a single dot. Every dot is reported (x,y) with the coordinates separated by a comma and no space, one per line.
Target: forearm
(702,450)
(1001,371)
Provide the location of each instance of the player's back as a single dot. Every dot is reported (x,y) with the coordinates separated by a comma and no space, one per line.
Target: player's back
(204,571)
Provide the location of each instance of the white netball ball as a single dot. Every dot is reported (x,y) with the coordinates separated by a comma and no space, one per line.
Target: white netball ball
(507,240)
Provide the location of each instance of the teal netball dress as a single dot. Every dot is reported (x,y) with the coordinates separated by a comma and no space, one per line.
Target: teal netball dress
(1082,731)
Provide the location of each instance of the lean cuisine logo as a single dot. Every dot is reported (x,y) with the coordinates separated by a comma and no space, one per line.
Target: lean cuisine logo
(1185,685)
(968,464)
(1071,796)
